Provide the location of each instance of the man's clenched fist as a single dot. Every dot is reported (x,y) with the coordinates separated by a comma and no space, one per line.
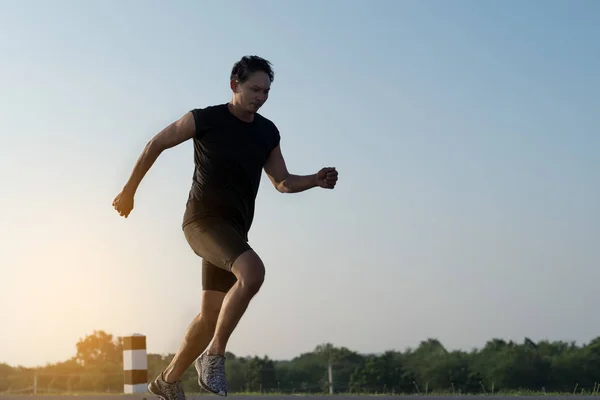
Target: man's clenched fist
(327,177)
(123,203)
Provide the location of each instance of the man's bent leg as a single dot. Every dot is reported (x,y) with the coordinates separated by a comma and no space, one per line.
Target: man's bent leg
(215,283)
(250,272)
(168,384)
(197,336)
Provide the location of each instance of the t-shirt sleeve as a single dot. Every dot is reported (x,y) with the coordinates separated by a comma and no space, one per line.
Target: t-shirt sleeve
(275,136)
(201,121)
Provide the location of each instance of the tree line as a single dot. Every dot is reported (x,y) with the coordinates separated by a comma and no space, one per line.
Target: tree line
(499,367)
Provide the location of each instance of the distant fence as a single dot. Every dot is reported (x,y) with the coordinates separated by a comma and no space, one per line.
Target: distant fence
(46,383)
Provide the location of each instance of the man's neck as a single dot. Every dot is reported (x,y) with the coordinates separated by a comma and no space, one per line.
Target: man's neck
(236,110)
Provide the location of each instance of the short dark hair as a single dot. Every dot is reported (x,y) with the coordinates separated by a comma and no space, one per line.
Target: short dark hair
(248,65)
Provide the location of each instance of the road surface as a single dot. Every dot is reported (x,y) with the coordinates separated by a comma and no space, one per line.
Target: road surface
(297,397)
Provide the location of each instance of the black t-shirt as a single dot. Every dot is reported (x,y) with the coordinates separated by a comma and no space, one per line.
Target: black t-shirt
(229,155)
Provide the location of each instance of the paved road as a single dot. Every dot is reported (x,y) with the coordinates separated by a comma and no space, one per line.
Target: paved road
(291,397)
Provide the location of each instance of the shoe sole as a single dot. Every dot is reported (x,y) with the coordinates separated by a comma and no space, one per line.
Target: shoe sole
(202,384)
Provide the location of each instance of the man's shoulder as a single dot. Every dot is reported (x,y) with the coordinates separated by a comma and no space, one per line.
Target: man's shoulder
(269,129)
(263,119)
(212,109)
(207,116)
(266,122)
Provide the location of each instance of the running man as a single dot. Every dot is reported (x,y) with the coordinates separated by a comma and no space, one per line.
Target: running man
(232,145)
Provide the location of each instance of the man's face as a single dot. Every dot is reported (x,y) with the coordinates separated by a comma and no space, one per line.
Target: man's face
(253,93)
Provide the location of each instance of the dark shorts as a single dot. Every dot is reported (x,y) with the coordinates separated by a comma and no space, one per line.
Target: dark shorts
(219,244)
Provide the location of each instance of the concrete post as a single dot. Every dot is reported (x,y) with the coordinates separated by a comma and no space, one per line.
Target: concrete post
(135,364)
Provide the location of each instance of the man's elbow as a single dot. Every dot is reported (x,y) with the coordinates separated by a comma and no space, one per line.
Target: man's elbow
(282,188)
(282,185)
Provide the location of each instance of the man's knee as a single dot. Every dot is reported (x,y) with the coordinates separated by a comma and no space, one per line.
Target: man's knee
(249,270)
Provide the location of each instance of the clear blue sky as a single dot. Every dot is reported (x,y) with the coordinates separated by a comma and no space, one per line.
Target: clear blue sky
(466,135)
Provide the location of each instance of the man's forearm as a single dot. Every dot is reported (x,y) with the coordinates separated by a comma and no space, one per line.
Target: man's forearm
(141,167)
(298,183)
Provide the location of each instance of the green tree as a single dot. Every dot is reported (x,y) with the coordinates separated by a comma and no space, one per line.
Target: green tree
(500,366)
(260,375)
(100,348)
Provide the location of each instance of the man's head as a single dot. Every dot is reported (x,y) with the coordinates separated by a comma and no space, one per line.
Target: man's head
(251,79)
